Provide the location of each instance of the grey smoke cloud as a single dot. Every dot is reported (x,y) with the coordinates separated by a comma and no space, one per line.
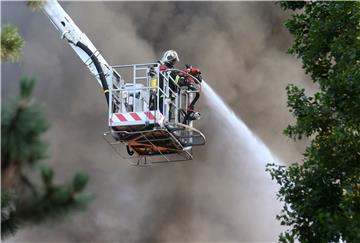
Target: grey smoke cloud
(224,195)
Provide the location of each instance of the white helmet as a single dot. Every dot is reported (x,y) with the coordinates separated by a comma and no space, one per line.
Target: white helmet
(170,57)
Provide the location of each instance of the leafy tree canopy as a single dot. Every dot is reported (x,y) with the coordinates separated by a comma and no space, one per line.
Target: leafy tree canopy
(322,196)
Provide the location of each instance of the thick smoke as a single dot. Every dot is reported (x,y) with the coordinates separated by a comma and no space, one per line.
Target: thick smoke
(224,195)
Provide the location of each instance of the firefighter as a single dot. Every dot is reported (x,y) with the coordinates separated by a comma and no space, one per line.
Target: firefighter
(191,85)
(168,60)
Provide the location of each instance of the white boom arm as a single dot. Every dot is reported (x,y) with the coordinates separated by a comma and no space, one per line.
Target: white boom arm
(80,43)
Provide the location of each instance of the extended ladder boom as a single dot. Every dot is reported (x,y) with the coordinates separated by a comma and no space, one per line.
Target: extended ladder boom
(81,44)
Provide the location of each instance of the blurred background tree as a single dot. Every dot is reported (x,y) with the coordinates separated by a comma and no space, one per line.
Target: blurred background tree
(28,191)
(35,5)
(11,43)
(322,195)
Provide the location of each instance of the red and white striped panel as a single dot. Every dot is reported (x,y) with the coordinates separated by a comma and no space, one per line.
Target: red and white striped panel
(136,118)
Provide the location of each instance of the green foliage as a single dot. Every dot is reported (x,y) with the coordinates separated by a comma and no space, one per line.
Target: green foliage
(293,5)
(322,196)
(79,182)
(56,201)
(11,43)
(9,222)
(22,125)
(47,175)
(35,5)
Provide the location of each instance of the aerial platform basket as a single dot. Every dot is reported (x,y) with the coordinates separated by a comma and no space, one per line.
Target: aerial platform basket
(146,114)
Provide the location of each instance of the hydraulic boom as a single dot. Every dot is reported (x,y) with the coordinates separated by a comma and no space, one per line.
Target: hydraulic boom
(81,44)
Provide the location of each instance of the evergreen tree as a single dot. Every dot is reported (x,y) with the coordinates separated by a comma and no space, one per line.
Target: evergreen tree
(11,43)
(321,196)
(25,198)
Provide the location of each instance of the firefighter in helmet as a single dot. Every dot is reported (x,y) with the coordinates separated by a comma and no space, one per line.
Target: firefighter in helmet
(169,59)
(191,79)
